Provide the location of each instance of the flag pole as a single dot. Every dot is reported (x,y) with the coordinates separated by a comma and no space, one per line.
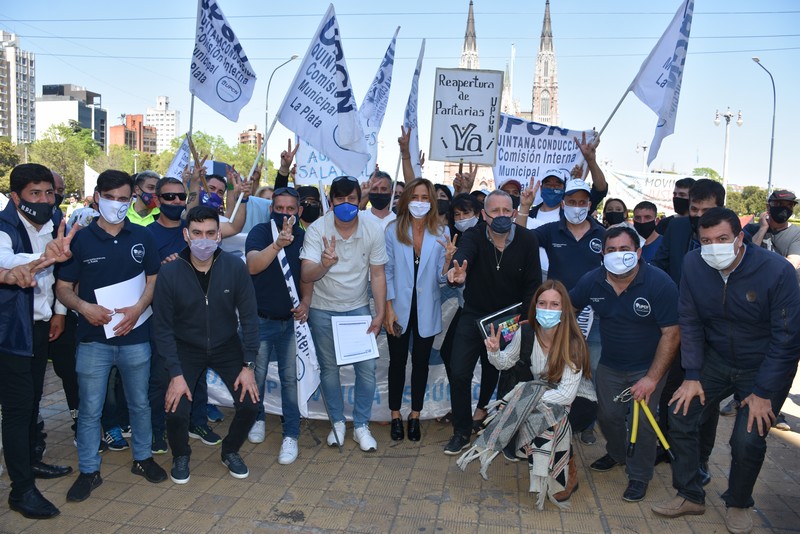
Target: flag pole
(191,116)
(614,112)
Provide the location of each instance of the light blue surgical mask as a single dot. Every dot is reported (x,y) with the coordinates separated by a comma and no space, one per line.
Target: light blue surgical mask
(548,319)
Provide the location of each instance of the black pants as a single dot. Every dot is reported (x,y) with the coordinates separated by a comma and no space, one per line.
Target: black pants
(398,356)
(446,349)
(468,347)
(228,366)
(62,354)
(582,414)
(21,383)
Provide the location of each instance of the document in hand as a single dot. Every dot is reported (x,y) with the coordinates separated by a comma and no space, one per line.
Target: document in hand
(506,320)
(122,295)
(351,341)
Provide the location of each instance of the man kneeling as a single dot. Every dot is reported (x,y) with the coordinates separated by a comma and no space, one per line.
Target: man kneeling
(195,305)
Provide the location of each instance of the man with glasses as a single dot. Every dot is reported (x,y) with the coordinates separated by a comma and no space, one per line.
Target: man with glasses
(340,251)
(310,202)
(276,313)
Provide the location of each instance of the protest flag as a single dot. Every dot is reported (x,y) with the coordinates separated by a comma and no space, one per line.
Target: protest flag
(89,180)
(320,106)
(410,115)
(658,83)
(220,74)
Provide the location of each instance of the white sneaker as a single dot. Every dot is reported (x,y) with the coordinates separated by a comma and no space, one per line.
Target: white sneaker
(288,452)
(257,432)
(339,428)
(364,438)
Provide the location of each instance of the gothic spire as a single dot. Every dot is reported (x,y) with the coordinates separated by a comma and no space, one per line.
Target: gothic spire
(469,52)
(546,42)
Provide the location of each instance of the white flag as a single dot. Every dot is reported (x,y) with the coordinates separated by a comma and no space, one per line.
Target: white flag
(182,158)
(373,108)
(410,116)
(221,75)
(320,106)
(658,83)
(89,180)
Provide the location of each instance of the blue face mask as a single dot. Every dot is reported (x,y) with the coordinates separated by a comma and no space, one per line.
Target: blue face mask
(212,200)
(552,197)
(172,212)
(501,224)
(345,212)
(548,319)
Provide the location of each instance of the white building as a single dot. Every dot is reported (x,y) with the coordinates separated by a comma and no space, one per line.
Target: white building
(17,91)
(166,122)
(63,103)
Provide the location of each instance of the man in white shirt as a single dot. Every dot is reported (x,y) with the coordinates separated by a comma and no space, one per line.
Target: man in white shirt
(340,250)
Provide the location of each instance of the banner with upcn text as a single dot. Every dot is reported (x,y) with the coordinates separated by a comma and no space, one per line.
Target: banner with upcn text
(527,150)
(221,74)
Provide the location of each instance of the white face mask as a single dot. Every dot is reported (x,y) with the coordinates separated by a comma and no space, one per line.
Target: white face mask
(112,211)
(419,209)
(465,224)
(718,256)
(620,262)
(575,214)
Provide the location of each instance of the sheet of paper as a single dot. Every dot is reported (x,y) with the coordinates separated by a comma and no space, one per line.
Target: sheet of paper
(122,295)
(351,341)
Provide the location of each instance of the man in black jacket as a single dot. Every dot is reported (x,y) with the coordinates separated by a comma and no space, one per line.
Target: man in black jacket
(202,286)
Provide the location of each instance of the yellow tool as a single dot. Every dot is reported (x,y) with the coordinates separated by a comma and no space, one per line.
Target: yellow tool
(626,396)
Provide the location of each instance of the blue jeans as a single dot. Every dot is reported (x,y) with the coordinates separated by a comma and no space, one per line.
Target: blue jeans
(322,334)
(278,343)
(93,365)
(719,379)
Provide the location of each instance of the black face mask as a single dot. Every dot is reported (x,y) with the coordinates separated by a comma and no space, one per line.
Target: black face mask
(442,207)
(693,221)
(780,214)
(379,201)
(645,229)
(614,217)
(680,205)
(310,213)
(59,200)
(36,212)
(514,202)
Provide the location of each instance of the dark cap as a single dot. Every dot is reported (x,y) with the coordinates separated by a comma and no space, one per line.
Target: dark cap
(783,194)
(308,191)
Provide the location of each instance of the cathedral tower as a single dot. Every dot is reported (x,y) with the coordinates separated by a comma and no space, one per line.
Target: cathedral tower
(545,83)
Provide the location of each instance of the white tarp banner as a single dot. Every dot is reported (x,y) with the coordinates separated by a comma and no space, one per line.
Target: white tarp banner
(313,166)
(634,187)
(410,115)
(658,83)
(182,158)
(89,180)
(320,106)
(466,113)
(527,150)
(221,75)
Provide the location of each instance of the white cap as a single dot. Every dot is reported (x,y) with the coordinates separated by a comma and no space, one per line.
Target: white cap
(561,174)
(577,185)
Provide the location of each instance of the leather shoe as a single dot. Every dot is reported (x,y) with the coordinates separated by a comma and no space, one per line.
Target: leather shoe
(636,491)
(413,429)
(677,507)
(43,470)
(32,505)
(397,429)
(606,463)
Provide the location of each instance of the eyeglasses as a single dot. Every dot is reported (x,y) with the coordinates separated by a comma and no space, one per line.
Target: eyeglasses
(285,191)
(173,196)
(340,178)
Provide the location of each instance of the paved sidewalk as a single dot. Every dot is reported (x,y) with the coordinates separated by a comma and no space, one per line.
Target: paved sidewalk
(403,487)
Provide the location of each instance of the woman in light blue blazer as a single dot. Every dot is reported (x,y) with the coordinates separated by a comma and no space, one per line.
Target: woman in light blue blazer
(417,247)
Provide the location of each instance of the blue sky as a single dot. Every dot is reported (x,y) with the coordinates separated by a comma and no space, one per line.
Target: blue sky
(133,52)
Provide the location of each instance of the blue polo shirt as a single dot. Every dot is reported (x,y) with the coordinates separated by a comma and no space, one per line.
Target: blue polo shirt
(99,260)
(168,240)
(569,258)
(649,251)
(272,296)
(630,326)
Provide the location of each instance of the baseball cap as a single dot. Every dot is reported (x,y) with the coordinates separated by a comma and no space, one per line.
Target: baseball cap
(561,174)
(512,181)
(308,191)
(577,185)
(783,194)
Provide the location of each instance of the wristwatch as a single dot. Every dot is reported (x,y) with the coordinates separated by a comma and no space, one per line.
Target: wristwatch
(249,365)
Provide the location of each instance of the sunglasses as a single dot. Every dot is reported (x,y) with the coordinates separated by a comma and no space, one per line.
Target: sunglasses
(286,191)
(173,196)
(340,178)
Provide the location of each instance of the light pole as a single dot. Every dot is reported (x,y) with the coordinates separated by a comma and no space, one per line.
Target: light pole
(135,162)
(266,113)
(728,116)
(643,149)
(772,140)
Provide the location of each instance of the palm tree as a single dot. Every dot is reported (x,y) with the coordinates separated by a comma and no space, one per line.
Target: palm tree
(122,117)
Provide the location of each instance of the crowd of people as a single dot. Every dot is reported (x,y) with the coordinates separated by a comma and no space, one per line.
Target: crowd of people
(156,280)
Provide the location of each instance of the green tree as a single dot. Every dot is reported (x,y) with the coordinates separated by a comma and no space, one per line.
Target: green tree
(707,172)
(63,148)
(751,201)
(8,160)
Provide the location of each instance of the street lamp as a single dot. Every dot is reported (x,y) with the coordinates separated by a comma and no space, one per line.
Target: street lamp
(135,162)
(643,149)
(266,113)
(772,141)
(728,115)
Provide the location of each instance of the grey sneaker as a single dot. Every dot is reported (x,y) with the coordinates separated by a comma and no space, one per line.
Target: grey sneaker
(180,470)
(588,437)
(729,409)
(235,465)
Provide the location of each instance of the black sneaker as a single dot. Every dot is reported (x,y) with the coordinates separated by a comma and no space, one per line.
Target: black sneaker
(235,465)
(606,463)
(204,433)
(510,453)
(456,444)
(180,470)
(588,437)
(159,444)
(150,470)
(126,431)
(83,486)
(636,491)
(114,440)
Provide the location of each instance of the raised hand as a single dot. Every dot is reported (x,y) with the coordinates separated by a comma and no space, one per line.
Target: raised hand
(329,257)
(403,141)
(458,274)
(285,237)
(450,247)
(421,158)
(287,156)
(233,175)
(589,150)
(58,249)
(527,196)
(493,341)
